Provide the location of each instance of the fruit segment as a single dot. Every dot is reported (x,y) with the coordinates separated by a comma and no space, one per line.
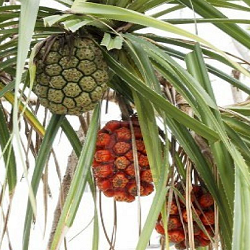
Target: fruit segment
(113,166)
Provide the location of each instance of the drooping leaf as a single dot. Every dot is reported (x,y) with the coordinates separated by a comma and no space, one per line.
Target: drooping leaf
(41,160)
(8,153)
(241,229)
(206,10)
(78,183)
(126,15)
(159,101)
(28,16)
(31,118)
(247,2)
(77,146)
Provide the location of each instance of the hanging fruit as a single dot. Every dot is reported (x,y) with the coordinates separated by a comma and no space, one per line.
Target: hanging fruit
(114,166)
(202,202)
(71,74)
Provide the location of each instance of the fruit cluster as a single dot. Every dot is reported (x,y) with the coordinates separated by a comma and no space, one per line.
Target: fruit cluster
(203,206)
(113,165)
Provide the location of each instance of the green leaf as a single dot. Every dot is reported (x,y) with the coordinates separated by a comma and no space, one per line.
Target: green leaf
(144,65)
(51,20)
(150,135)
(241,229)
(78,183)
(247,2)
(29,10)
(238,142)
(111,42)
(180,167)
(28,15)
(41,160)
(32,66)
(205,20)
(159,101)
(160,167)
(221,151)
(75,24)
(6,88)
(8,153)
(211,69)
(153,214)
(95,240)
(237,125)
(244,110)
(206,10)
(77,146)
(126,15)
(229,5)
(196,66)
(167,11)
(145,5)
(67,3)
(31,118)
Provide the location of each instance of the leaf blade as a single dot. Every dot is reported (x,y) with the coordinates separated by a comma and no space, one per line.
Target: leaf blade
(78,183)
(42,157)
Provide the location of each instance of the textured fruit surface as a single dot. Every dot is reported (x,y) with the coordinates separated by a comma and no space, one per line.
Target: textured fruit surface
(200,242)
(208,217)
(159,228)
(173,208)
(203,212)
(206,200)
(70,79)
(176,236)
(113,164)
(174,223)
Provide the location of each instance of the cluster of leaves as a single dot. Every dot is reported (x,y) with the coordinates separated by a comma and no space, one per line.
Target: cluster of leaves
(133,59)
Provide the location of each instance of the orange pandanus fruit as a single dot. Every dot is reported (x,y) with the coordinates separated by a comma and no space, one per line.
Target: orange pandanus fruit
(113,165)
(202,202)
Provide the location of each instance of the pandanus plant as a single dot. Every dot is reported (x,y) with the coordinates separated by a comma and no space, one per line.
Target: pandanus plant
(86,52)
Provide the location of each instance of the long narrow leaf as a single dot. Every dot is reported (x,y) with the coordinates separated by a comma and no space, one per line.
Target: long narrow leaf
(206,10)
(41,160)
(8,153)
(220,151)
(247,2)
(31,118)
(158,100)
(126,15)
(150,135)
(206,20)
(196,66)
(211,69)
(241,229)
(78,183)
(29,10)
(153,214)
(77,146)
